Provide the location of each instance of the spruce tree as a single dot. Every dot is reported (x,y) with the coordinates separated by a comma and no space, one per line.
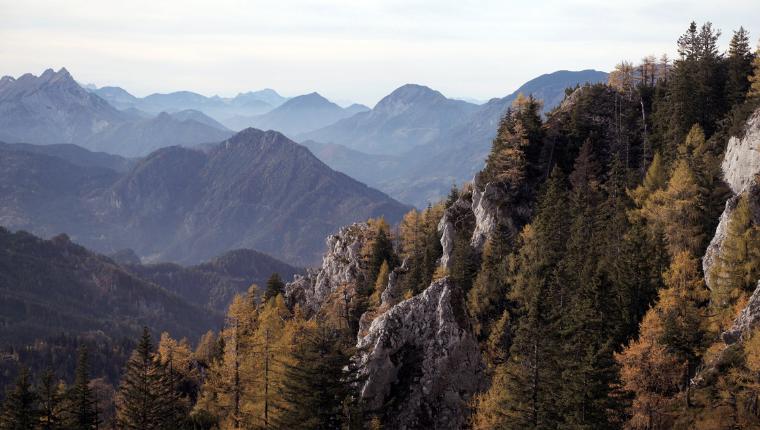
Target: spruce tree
(20,410)
(739,67)
(139,404)
(321,386)
(82,413)
(274,287)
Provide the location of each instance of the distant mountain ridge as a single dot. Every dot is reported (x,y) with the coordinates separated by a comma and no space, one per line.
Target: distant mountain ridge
(298,115)
(456,150)
(220,108)
(52,108)
(412,115)
(255,190)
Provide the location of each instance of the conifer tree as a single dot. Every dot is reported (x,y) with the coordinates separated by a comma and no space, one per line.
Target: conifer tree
(140,403)
(660,364)
(50,402)
(274,287)
(487,299)
(739,67)
(82,413)
(678,211)
(754,78)
(321,386)
(20,410)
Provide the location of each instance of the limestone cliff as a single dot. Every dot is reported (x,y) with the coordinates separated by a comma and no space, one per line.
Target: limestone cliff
(421,362)
(342,266)
(741,165)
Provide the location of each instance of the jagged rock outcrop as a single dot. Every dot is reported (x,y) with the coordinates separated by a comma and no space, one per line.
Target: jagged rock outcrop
(421,362)
(486,210)
(741,165)
(457,217)
(747,320)
(341,266)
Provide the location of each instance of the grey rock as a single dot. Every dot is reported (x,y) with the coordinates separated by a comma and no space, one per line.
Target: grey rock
(457,217)
(713,250)
(341,266)
(742,159)
(421,356)
(741,165)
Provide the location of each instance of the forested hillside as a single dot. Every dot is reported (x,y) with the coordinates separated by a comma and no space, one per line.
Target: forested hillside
(600,272)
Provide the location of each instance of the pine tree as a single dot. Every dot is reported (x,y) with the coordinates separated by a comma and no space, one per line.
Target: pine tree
(274,287)
(739,67)
(321,385)
(140,404)
(20,409)
(82,413)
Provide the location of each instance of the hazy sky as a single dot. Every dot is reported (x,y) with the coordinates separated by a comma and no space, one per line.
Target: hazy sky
(345,49)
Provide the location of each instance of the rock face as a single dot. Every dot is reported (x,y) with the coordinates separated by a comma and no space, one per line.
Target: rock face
(455,219)
(741,164)
(742,159)
(746,321)
(421,357)
(341,266)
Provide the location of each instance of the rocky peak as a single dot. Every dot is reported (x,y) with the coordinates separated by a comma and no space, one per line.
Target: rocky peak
(457,218)
(421,361)
(342,266)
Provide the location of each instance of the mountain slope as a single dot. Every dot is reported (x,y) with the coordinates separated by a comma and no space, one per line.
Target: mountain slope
(140,137)
(424,173)
(198,116)
(51,108)
(411,115)
(78,291)
(74,154)
(213,284)
(298,115)
(255,190)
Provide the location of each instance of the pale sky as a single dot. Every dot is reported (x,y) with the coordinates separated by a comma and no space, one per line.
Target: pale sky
(356,50)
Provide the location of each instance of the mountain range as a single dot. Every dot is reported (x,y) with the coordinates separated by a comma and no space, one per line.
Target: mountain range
(298,115)
(249,103)
(255,190)
(412,145)
(453,137)
(53,108)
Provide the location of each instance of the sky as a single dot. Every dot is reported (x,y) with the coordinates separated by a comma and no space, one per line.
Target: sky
(347,50)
